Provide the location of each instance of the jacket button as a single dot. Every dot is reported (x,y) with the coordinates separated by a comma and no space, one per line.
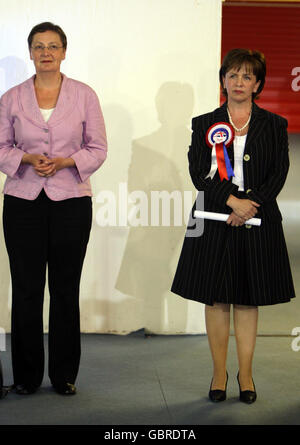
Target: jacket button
(246,158)
(46,130)
(248,226)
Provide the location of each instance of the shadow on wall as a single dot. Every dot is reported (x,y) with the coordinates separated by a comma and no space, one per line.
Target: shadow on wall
(12,72)
(159,163)
(101,309)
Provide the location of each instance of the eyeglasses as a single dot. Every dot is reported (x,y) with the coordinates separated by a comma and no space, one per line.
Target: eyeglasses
(41,48)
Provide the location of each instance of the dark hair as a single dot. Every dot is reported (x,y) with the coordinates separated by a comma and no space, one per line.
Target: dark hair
(47,26)
(255,60)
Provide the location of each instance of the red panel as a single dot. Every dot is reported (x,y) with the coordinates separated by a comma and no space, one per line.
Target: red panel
(275,31)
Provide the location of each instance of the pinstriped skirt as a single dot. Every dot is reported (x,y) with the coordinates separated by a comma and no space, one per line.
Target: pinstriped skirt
(235,265)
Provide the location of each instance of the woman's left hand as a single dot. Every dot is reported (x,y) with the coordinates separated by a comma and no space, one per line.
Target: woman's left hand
(235,220)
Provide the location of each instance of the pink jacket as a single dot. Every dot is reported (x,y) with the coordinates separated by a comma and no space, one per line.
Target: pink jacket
(75,129)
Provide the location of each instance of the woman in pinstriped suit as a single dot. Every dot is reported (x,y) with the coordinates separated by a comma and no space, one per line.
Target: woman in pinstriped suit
(232,262)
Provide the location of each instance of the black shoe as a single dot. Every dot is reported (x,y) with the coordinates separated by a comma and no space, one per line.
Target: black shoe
(3,393)
(218,395)
(247,396)
(66,389)
(25,389)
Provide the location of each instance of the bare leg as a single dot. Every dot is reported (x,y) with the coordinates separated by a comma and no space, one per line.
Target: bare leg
(217,320)
(245,325)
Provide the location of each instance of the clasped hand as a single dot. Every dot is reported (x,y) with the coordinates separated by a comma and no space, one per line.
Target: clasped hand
(243,209)
(48,167)
(44,166)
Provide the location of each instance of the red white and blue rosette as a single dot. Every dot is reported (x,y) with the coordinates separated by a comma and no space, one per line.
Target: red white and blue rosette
(218,136)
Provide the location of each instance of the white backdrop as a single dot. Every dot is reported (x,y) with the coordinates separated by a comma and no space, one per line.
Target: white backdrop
(154,64)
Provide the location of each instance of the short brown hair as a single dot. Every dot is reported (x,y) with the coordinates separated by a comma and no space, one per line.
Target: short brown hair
(47,26)
(237,57)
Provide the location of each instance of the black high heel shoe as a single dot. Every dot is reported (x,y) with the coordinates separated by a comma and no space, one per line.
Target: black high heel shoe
(247,396)
(218,395)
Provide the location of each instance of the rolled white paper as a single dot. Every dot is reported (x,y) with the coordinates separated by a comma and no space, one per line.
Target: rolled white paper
(223,217)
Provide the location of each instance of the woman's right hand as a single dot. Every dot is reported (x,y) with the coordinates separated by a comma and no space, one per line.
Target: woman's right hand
(234,220)
(244,208)
(41,164)
(34,160)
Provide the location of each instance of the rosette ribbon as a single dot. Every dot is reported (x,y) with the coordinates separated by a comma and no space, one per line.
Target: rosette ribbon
(218,136)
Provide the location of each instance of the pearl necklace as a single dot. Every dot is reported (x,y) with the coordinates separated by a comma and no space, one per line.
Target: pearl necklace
(244,126)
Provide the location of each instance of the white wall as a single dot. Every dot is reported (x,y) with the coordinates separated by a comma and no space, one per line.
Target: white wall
(154,65)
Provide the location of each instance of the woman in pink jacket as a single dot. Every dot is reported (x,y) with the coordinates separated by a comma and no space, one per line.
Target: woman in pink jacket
(52,138)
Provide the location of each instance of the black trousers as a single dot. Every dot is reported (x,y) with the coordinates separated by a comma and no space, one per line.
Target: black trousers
(39,233)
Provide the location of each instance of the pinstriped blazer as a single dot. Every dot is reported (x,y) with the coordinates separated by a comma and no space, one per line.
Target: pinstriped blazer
(265,165)
(247,265)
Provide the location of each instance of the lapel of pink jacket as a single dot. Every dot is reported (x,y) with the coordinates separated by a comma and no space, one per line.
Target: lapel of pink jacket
(65,105)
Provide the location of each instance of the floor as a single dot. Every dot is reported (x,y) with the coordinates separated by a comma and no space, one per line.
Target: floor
(161,380)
